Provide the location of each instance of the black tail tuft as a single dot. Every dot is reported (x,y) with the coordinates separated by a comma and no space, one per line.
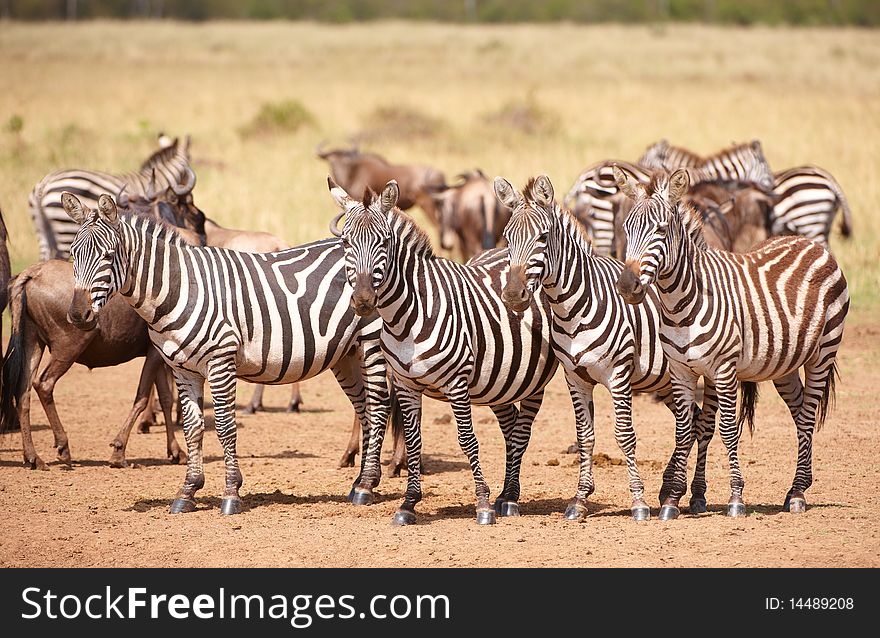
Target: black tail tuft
(828,398)
(748,401)
(12,378)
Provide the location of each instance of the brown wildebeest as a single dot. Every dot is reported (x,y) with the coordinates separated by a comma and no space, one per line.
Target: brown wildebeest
(356,172)
(469,212)
(5,272)
(39,299)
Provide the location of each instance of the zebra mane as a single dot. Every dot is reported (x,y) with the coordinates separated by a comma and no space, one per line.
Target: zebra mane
(410,233)
(564,216)
(730,150)
(162,230)
(692,222)
(159,157)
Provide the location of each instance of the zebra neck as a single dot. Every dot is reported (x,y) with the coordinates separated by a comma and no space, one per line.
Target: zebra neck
(408,277)
(680,286)
(570,259)
(153,266)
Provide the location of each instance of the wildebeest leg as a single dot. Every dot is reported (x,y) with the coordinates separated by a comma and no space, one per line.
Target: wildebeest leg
(34,348)
(151,372)
(295,398)
(256,403)
(45,388)
(354,442)
(147,418)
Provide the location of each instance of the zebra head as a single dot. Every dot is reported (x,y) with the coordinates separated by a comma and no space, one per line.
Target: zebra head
(365,236)
(526,234)
(655,155)
(98,271)
(756,167)
(649,241)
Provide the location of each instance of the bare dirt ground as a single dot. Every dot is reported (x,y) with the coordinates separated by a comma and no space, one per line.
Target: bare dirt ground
(296,513)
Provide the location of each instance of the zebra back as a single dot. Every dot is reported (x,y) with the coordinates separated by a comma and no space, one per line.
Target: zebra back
(807,199)
(55,230)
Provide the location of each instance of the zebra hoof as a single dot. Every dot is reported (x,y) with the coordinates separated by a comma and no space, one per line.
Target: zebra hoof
(498,505)
(230,506)
(360,496)
(797,505)
(486,517)
(641,513)
(669,513)
(698,505)
(182,506)
(509,508)
(736,509)
(403,517)
(576,511)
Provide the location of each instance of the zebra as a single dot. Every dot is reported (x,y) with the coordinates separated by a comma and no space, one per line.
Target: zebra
(217,314)
(735,320)
(806,198)
(446,335)
(55,230)
(596,198)
(598,338)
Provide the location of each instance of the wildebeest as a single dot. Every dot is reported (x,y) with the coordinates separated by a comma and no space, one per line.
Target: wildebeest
(5,272)
(470,213)
(356,172)
(39,299)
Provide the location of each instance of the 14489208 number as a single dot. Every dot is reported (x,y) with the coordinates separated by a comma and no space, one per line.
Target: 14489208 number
(821,603)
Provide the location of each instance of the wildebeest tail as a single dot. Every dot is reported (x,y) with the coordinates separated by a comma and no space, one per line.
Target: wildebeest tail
(14,378)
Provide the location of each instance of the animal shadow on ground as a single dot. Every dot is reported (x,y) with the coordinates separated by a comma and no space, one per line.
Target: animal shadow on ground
(252,501)
(528,507)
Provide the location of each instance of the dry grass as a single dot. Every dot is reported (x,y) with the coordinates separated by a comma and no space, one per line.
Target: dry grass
(94,95)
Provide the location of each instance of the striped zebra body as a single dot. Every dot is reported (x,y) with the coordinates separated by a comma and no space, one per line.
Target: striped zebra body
(447,335)
(598,338)
(732,318)
(56,231)
(216,314)
(806,200)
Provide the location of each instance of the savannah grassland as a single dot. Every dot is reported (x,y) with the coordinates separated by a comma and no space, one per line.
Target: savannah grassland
(515,101)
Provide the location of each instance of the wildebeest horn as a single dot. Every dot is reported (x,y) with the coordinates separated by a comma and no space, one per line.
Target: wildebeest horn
(121,197)
(186,187)
(334,224)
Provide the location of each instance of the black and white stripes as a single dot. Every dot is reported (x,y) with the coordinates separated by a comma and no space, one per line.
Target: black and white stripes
(217,314)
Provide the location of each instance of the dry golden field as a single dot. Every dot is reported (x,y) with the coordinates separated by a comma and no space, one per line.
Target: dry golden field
(95,95)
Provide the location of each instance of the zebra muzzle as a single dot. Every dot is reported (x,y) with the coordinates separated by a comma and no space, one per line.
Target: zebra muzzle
(515,294)
(363,299)
(630,287)
(80,312)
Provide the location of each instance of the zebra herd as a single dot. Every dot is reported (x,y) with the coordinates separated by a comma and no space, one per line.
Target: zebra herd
(395,322)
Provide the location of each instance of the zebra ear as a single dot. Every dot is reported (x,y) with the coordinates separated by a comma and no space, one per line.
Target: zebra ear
(679,182)
(505,193)
(337,193)
(389,196)
(542,190)
(627,183)
(74,208)
(107,208)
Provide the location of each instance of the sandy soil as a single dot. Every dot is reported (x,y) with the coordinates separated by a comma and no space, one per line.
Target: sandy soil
(296,514)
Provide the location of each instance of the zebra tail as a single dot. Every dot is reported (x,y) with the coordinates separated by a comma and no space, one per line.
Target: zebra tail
(845,218)
(395,416)
(748,401)
(13,379)
(828,397)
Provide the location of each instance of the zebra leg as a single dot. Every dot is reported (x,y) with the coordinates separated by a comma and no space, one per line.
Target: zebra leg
(191,393)
(459,397)
(256,403)
(295,398)
(791,389)
(505,505)
(704,424)
(222,381)
(582,400)
(516,444)
(411,407)
(683,389)
(727,386)
(621,395)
